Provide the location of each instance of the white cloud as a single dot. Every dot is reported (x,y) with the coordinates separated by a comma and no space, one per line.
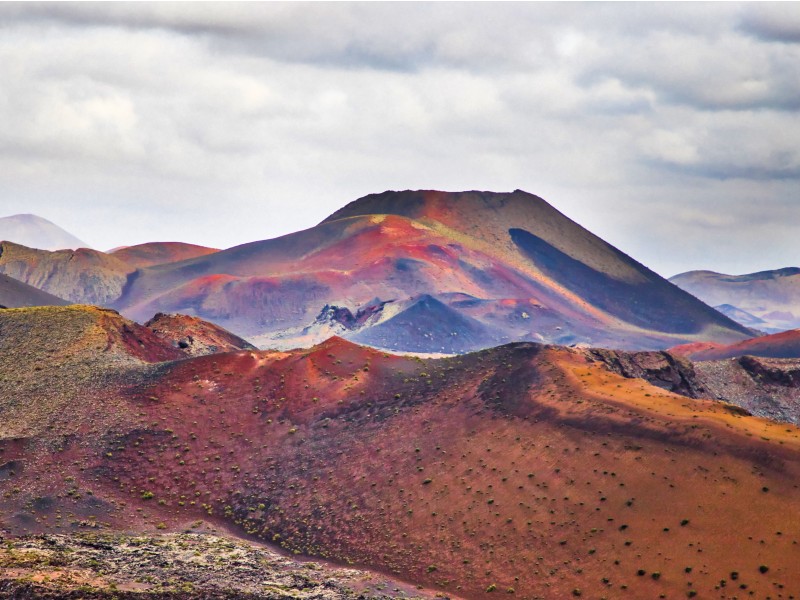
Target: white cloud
(224,123)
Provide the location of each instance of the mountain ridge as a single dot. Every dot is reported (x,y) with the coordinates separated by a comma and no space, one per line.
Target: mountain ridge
(536,274)
(34,231)
(771,296)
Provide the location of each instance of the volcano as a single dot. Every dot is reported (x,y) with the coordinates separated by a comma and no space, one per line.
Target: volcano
(509,252)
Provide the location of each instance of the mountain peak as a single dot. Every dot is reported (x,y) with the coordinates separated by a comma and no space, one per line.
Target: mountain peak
(34,231)
(421,203)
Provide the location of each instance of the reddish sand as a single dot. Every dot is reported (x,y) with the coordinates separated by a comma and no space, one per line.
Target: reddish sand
(779,345)
(522,467)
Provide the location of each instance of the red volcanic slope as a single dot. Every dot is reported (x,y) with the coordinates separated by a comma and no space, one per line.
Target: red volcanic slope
(522,467)
(194,336)
(400,245)
(282,282)
(779,345)
(695,348)
(157,253)
(64,368)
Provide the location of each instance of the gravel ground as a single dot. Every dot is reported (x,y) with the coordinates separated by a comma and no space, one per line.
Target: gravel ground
(186,566)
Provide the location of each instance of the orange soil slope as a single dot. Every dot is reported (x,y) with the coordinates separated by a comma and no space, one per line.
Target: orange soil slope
(523,468)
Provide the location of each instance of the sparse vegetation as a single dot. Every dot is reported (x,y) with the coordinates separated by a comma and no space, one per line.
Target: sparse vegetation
(548,490)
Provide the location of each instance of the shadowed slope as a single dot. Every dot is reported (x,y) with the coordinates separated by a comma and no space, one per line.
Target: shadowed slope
(523,226)
(15,294)
(487,216)
(649,303)
(428,326)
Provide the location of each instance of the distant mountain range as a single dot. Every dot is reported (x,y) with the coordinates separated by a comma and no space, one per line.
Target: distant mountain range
(767,300)
(433,272)
(36,232)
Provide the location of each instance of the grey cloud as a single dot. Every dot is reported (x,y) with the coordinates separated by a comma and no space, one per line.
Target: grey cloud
(224,123)
(774,21)
(471,36)
(761,146)
(726,171)
(729,72)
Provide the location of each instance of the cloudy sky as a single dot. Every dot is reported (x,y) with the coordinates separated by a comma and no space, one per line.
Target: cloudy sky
(671,130)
